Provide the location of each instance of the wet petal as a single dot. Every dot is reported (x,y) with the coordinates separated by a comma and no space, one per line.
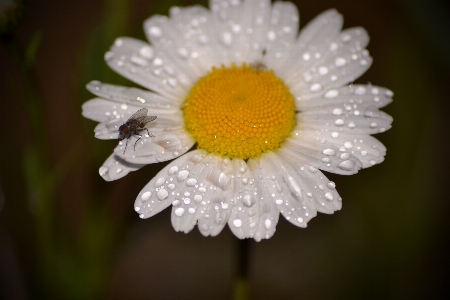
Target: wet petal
(115,168)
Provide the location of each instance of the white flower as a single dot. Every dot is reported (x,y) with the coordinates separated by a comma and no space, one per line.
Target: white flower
(267,108)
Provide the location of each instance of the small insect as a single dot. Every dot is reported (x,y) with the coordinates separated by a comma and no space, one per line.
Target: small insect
(134,125)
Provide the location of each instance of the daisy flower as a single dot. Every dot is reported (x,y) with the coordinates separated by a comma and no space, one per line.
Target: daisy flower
(266,107)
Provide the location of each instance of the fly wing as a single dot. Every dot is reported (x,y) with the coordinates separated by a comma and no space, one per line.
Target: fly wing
(145,120)
(142,113)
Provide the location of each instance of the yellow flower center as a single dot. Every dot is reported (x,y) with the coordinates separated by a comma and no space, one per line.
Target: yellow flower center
(239,111)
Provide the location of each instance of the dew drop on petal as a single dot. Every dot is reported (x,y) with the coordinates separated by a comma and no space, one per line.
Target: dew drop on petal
(162,194)
(237,223)
(279,201)
(155,31)
(329,196)
(267,223)
(103,170)
(340,62)
(145,196)
(337,111)
(346,165)
(179,212)
(329,152)
(191,182)
(248,201)
(332,94)
(339,122)
(331,185)
(159,182)
(316,87)
(173,170)
(182,175)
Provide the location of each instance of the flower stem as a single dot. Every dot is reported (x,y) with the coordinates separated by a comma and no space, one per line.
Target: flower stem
(241,285)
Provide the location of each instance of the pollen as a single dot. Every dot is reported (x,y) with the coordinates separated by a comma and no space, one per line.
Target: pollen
(239,111)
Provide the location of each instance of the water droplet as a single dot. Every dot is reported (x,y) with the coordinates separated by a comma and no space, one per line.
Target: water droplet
(335,134)
(103,170)
(339,122)
(337,111)
(227,38)
(145,196)
(137,208)
(191,182)
(187,201)
(331,94)
(173,170)
(176,203)
(109,55)
(334,46)
(179,212)
(182,175)
(198,198)
(237,223)
(316,87)
(329,152)
(191,210)
(312,169)
(346,38)
(171,186)
(346,165)
(373,125)
(348,145)
(159,182)
(267,223)
(329,196)
(323,70)
(372,162)
(248,201)
(340,62)
(300,220)
(351,125)
(118,43)
(271,35)
(119,170)
(146,52)
(306,56)
(360,90)
(155,31)
(331,185)
(345,155)
(162,194)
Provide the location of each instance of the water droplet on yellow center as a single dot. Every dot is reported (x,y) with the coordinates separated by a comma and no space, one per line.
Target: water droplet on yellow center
(239,112)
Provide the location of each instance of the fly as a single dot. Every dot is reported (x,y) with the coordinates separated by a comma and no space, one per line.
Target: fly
(134,125)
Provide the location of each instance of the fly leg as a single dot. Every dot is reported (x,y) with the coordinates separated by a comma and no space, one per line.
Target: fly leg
(140,136)
(126,144)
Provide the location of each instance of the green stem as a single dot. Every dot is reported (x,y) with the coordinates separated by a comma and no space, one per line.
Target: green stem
(241,285)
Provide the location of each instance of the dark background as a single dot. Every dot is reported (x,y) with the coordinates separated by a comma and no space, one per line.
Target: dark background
(67,234)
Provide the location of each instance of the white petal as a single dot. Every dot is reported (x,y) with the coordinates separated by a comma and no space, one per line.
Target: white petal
(204,197)
(115,168)
(189,38)
(355,96)
(321,149)
(162,190)
(133,96)
(352,118)
(335,152)
(161,147)
(241,27)
(286,189)
(281,35)
(324,57)
(316,185)
(152,69)
(112,115)
(246,212)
